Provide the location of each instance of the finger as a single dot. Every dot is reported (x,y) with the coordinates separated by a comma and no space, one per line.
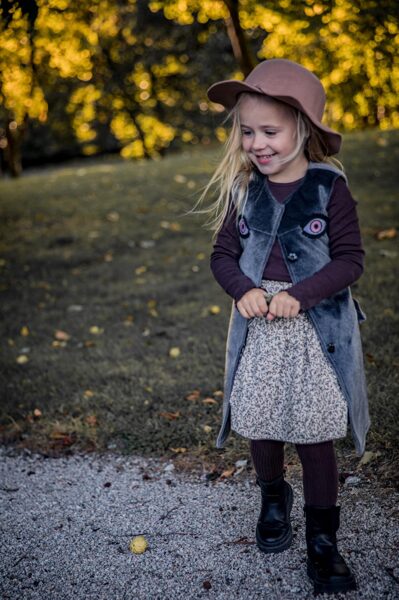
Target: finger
(243,312)
(270,316)
(260,308)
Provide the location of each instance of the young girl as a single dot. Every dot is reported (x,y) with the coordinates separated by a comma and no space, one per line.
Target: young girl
(287,248)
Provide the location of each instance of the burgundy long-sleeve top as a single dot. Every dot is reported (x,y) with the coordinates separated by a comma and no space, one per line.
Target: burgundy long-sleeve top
(346,251)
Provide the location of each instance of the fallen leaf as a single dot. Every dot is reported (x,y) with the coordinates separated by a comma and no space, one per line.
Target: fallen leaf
(171,416)
(95,330)
(179,450)
(88,393)
(175,227)
(180,178)
(368,457)
(214,310)
(91,420)
(89,343)
(108,257)
(138,545)
(201,255)
(243,540)
(22,359)
(37,413)
(113,216)
(66,439)
(386,234)
(24,331)
(62,335)
(370,358)
(207,428)
(140,270)
(174,352)
(228,472)
(57,344)
(218,394)
(194,395)
(209,401)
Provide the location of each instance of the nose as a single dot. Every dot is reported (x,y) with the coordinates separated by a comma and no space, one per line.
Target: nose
(259,142)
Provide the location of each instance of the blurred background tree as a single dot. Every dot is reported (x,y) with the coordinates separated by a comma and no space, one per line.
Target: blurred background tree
(83,77)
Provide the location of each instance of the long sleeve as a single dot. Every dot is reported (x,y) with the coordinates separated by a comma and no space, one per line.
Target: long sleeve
(346,251)
(224,260)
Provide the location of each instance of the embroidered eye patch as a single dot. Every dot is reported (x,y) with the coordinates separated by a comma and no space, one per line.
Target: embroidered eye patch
(316,226)
(243,227)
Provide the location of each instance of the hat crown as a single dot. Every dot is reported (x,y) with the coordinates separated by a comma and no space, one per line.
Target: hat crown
(283,80)
(290,82)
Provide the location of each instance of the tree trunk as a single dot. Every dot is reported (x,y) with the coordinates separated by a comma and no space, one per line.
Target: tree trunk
(239,42)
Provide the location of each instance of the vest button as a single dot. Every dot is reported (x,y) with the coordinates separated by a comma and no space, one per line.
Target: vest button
(292,256)
(331,348)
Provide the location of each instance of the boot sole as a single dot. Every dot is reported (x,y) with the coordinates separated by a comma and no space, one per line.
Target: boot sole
(322,587)
(284,542)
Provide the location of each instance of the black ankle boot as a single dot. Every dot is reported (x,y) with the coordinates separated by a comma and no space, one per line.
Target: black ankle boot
(326,567)
(273,531)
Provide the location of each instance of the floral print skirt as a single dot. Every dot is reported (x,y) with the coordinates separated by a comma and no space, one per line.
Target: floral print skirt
(285,388)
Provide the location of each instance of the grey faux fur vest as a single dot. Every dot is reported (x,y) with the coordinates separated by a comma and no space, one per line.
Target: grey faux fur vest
(300,226)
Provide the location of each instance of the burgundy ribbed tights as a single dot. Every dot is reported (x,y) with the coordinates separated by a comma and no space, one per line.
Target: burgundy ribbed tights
(319,466)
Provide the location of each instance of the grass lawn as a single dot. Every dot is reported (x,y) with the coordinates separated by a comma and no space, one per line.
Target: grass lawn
(111,334)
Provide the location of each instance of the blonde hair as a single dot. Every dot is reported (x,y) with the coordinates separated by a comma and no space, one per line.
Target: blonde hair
(233,174)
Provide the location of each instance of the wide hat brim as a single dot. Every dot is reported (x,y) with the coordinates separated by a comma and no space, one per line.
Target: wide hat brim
(227,93)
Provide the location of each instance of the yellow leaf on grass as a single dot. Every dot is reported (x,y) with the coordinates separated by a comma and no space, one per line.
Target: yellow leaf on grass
(25,331)
(88,393)
(179,450)
(214,310)
(207,428)
(174,352)
(95,330)
(140,270)
(22,359)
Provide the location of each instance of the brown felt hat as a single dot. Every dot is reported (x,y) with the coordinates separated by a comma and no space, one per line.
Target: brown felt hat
(283,80)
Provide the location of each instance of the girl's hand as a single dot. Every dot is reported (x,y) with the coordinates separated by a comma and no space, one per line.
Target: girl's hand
(253,304)
(283,305)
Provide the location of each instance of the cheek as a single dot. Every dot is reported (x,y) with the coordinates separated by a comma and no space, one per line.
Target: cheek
(246,144)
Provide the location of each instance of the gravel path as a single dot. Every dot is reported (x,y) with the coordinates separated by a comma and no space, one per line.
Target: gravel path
(66,525)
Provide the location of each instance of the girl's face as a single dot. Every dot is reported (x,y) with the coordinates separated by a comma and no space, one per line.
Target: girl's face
(268,130)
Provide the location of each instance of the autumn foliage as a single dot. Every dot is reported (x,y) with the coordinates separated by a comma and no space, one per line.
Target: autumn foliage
(88,76)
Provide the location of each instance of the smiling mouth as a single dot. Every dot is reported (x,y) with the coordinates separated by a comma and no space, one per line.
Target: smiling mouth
(260,156)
